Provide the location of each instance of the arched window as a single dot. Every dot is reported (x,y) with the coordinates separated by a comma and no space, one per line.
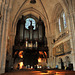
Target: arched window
(59,25)
(27,24)
(64,20)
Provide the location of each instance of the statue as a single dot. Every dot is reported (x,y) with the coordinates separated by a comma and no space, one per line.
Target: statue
(30,22)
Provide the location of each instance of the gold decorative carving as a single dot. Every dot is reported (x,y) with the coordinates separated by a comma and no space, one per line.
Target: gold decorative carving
(67,46)
(62,48)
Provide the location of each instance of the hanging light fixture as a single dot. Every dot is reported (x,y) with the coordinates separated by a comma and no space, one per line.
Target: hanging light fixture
(33,1)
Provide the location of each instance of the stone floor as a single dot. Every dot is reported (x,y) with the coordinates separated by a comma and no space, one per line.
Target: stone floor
(42,72)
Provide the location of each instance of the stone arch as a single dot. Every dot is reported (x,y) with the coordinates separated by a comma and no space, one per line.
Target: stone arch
(55,12)
(32,16)
(60,5)
(60,63)
(27,11)
(59,60)
(67,60)
(42,6)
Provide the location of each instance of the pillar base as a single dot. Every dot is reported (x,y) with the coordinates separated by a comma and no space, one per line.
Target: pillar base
(2,71)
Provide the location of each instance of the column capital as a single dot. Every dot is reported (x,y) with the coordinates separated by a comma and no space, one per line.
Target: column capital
(0,1)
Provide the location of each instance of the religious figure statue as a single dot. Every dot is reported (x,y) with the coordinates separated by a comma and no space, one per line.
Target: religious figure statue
(30,22)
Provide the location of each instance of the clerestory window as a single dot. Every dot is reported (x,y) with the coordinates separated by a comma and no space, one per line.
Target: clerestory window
(59,25)
(64,20)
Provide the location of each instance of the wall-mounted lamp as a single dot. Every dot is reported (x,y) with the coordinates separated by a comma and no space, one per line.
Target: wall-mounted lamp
(33,1)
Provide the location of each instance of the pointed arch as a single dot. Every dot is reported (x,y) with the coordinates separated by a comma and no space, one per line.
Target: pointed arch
(27,11)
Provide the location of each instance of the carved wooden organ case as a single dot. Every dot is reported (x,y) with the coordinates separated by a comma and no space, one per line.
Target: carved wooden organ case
(28,40)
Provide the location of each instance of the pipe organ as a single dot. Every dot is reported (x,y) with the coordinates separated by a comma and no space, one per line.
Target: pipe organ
(31,34)
(30,39)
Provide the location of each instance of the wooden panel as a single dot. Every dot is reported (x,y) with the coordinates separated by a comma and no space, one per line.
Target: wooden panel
(67,46)
(63,48)
(60,49)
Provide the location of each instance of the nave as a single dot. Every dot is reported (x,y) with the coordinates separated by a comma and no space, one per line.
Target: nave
(41,72)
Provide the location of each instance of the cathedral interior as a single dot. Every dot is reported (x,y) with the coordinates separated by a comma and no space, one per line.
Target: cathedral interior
(37,33)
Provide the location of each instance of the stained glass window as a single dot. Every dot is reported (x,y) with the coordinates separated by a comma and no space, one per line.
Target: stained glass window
(59,25)
(27,24)
(64,20)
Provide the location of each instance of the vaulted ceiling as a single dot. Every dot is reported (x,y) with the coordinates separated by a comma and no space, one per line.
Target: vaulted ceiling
(43,8)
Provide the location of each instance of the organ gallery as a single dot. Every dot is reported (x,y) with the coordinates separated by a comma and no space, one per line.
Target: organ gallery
(31,40)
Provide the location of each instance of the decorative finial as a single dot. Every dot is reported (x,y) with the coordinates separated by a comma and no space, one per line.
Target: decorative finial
(39,18)
(22,16)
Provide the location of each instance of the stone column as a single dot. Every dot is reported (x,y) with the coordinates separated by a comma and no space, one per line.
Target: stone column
(0,20)
(50,51)
(1,28)
(71,21)
(10,50)
(50,44)
(73,38)
(4,39)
